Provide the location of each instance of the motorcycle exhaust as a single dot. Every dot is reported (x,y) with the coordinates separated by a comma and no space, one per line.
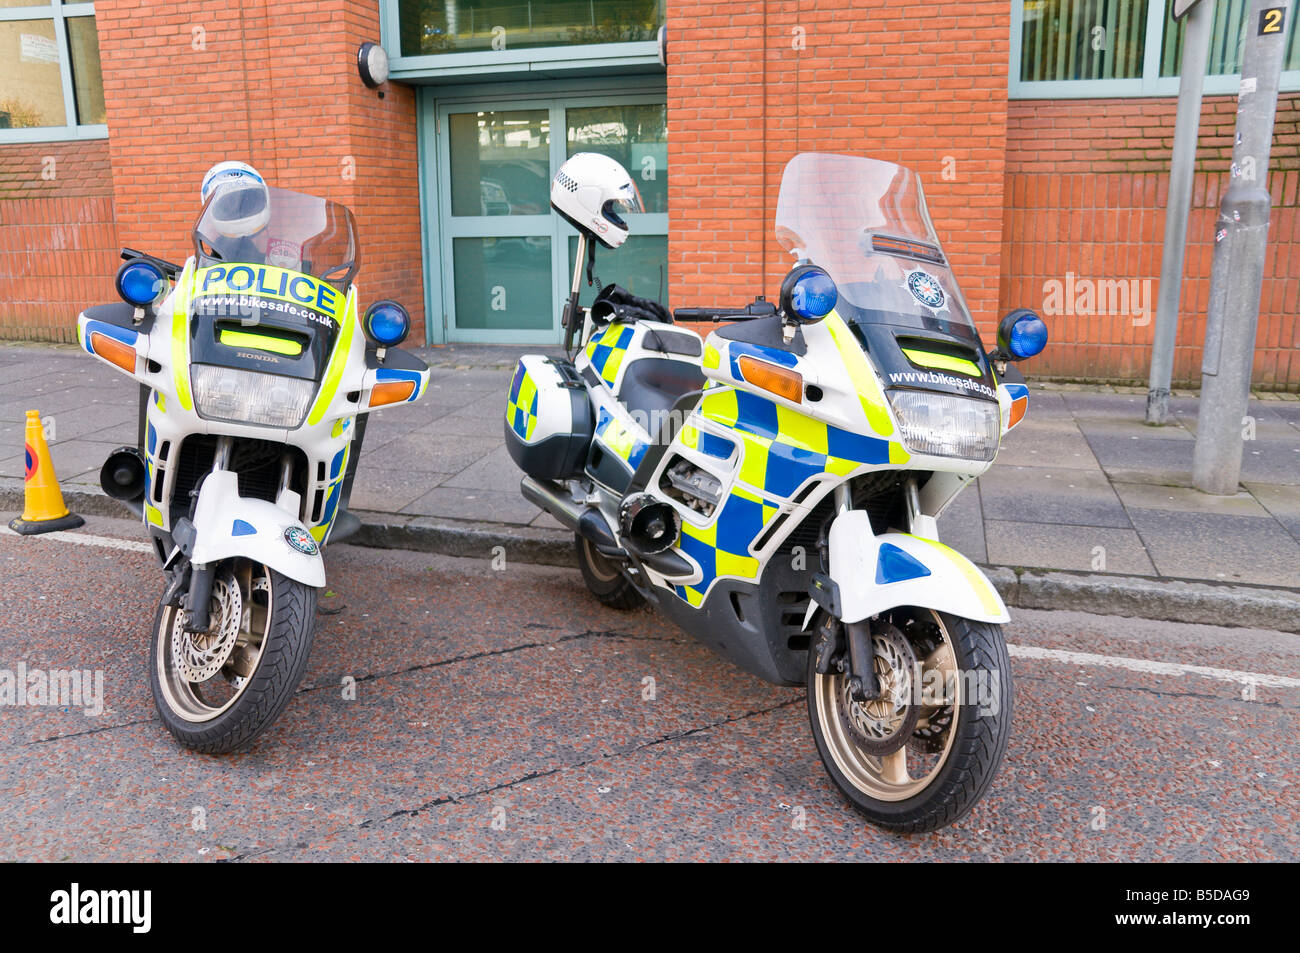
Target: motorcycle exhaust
(649,526)
(547,496)
(122,475)
(584,520)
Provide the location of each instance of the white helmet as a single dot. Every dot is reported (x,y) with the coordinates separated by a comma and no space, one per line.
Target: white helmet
(241,204)
(593,192)
(225,171)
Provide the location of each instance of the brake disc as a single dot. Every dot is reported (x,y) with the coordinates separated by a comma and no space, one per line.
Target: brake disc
(197,656)
(883,725)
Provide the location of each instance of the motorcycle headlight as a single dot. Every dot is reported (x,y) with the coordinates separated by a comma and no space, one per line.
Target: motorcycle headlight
(248,397)
(947,426)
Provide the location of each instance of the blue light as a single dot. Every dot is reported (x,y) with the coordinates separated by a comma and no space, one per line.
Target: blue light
(814,295)
(140,283)
(387,323)
(1028,336)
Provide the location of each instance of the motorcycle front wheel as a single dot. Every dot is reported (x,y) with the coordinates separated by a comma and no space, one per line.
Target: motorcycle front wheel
(943,755)
(216,690)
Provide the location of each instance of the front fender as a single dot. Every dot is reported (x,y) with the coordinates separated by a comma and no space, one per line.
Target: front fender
(874,573)
(227,524)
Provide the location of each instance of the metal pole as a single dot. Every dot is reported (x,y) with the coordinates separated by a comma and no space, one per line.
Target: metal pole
(1237,275)
(1182,169)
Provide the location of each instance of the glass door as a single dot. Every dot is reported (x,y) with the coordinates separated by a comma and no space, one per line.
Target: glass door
(496,224)
(507,259)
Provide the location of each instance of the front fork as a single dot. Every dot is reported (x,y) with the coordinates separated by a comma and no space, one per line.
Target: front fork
(857,663)
(196,598)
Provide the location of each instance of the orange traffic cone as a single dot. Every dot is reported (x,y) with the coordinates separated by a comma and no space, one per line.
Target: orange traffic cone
(43,509)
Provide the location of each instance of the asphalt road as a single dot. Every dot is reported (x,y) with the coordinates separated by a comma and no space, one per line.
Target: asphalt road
(501,715)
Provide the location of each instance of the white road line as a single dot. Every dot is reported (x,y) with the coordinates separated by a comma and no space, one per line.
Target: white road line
(1146,666)
(1149,667)
(86,539)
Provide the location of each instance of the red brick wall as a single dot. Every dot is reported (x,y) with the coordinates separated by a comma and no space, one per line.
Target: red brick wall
(58,243)
(1086,187)
(273,84)
(893,81)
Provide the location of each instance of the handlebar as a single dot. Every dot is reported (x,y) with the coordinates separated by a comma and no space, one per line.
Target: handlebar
(171,269)
(758,308)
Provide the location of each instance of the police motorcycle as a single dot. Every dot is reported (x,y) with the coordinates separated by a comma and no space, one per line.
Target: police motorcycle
(774,488)
(256,370)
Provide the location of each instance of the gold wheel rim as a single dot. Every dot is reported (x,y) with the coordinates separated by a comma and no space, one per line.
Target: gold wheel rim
(885,778)
(180,695)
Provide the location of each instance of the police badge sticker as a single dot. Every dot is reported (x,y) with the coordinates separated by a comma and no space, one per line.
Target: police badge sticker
(926,289)
(301,540)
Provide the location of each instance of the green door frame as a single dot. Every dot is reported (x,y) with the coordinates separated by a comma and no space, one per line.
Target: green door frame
(435,104)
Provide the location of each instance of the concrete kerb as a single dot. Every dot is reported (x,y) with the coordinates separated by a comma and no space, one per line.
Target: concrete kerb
(1171,600)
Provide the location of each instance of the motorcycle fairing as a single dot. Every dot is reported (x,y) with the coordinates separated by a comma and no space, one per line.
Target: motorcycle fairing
(164,348)
(781,452)
(933,361)
(782,448)
(721,548)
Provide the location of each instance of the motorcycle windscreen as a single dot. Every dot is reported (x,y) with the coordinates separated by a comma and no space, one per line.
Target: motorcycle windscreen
(866,223)
(246,222)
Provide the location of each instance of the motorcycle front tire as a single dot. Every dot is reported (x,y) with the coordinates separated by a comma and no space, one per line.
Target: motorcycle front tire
(287,637)
(970,760)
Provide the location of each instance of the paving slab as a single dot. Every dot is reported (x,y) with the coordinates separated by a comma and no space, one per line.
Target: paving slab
(1081,548)
(1289,412)
(1186,500)
(1127,452)
(381,488)
(1214,546)
(468,503)
(1283,502)
(422,451)
(962,525)
(1056,443)
(495,471)
(1050,495)
(1091,403)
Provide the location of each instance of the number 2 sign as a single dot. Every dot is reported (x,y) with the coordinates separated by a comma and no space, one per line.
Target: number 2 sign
(1271,20)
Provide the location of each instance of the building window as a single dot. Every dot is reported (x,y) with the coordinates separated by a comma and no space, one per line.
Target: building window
(467,26)
(1077,48)
(50,82)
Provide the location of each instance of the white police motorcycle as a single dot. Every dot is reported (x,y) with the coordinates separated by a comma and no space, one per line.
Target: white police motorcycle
(255,374)
(773,489)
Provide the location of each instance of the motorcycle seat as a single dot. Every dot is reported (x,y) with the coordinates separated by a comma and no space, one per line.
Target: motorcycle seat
(651,386)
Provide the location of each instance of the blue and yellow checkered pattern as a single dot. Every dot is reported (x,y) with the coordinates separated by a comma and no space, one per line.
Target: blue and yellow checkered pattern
(606,351)
(521,406)
(722,547)
(620,439)
(784,448)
